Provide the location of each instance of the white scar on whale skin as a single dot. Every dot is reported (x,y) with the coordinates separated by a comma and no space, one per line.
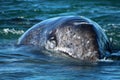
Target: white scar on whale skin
(78,23)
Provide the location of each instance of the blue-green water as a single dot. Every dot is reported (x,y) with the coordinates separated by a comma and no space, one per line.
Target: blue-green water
(16,16)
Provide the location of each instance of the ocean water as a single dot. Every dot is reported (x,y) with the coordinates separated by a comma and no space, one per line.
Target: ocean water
(16,16)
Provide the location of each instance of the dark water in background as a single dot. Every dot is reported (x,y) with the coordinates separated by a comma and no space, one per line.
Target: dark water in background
(16,16)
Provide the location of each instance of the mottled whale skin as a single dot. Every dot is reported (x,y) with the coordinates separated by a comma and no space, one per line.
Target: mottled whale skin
(74,36)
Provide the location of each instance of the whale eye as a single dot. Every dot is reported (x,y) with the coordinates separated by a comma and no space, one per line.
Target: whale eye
(51,40)
(52,36)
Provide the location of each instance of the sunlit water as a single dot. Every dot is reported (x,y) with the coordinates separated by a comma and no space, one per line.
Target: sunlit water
(16,16)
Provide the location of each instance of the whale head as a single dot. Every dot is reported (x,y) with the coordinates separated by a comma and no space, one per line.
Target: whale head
(76,37)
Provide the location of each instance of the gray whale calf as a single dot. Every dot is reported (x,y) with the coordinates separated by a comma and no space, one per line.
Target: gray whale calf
(74,36)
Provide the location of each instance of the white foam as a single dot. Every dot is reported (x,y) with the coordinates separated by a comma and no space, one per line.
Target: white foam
(13,31)
(105,60)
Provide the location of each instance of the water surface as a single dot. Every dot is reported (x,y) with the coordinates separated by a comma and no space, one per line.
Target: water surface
(16,16)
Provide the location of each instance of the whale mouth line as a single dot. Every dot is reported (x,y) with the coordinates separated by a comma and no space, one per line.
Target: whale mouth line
(66,51)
